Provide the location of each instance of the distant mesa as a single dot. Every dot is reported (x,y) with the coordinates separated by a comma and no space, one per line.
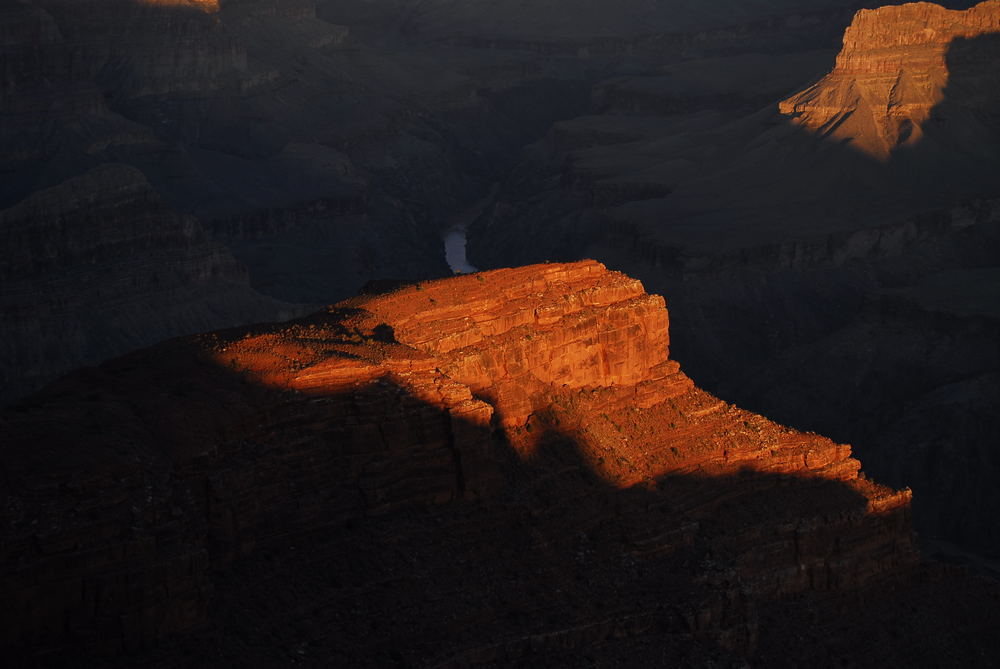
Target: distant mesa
(892,71)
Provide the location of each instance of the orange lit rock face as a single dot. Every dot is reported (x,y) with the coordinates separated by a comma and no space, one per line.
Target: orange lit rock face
(504,415)
(567,349)
(891,73)
(504,336)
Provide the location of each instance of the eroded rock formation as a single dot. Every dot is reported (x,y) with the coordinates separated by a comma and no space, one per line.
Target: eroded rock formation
(893,71)
(492,426)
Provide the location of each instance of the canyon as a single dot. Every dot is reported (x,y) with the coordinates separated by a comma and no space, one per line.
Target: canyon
(849,229)
(319,143)
(497,468)
(507,467)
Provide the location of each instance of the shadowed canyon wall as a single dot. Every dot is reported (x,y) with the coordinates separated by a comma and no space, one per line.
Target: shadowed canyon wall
(95,264)
(545,465)
(324,144)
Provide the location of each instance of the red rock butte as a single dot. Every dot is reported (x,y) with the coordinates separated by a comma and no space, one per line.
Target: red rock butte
(134,487)
(891,72)
(568,345)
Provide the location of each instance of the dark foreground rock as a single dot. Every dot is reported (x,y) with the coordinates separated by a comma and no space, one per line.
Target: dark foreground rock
(497,469)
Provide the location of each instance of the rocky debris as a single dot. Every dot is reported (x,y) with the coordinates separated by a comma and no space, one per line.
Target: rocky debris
(453,441)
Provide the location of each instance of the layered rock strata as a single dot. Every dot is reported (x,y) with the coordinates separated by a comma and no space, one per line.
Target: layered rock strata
(894,69)
(98,265)
(324,143)
(514,429)
(778,237)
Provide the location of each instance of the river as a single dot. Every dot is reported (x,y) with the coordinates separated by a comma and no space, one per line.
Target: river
(455,235)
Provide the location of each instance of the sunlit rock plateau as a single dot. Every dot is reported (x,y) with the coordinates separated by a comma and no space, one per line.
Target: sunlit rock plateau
(497,469)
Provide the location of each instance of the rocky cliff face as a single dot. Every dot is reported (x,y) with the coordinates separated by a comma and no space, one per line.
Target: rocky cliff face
(516,442)
(894,70)
(100,264)
(133,49)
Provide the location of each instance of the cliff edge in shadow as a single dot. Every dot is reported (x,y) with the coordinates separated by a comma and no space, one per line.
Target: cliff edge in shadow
(493,469)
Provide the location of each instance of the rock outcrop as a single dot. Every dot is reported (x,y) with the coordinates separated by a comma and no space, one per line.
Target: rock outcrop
(490,426)
(894,69)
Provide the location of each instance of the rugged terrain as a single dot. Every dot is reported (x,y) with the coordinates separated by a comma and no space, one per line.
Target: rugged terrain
(93,266)
(500,468)
(328,143)
(826,228)
(897,67)
(831,255)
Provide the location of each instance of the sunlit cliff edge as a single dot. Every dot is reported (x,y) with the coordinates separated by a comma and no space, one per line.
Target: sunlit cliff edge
(892,72)
(541,395)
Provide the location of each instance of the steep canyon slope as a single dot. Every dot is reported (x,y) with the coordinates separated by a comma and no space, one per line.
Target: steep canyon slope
(831,257)
(94,265)
(495,469)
